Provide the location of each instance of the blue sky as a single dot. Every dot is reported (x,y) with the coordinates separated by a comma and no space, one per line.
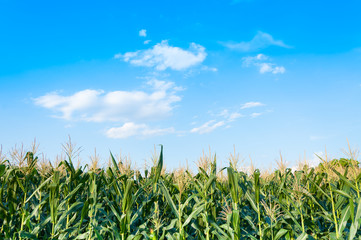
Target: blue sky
(263,76)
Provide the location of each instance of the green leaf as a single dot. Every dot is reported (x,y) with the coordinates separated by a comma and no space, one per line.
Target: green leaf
(159,166)
(280,233)
(114,163)
(342,193)
(169,199)
(193,214)
(345,216)
(2,169)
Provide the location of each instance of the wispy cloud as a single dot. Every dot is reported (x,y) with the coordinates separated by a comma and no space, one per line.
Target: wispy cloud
(147,41)
(143,33)
(256,114)
(251,105)
(131,129)
(226,117)
(100,106)
(163,56)
(230,116)
(260,41)
(247,61)
(317,137)
(210,69)
(263,63)
(208,127)
(233,116)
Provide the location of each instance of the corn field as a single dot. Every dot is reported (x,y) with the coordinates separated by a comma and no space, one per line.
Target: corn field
(68,202)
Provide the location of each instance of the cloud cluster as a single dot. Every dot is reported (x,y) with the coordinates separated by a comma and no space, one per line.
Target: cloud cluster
(163,56)
(133,110)
(263,63)
(260,41)
(100,106)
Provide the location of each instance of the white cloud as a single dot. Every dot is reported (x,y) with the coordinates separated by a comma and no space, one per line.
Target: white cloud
(143,33)
(163,56)
(251,105)
(131,129)
(147,41)
(233,116)
(264,66)
(208,127)
(260,41)
(269,67)
(256,114)
(100,106)
(85,99)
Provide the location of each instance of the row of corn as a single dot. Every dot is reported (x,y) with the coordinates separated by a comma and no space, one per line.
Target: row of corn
(68,202)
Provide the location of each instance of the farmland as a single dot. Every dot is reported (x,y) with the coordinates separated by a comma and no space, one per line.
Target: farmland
(118,202)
